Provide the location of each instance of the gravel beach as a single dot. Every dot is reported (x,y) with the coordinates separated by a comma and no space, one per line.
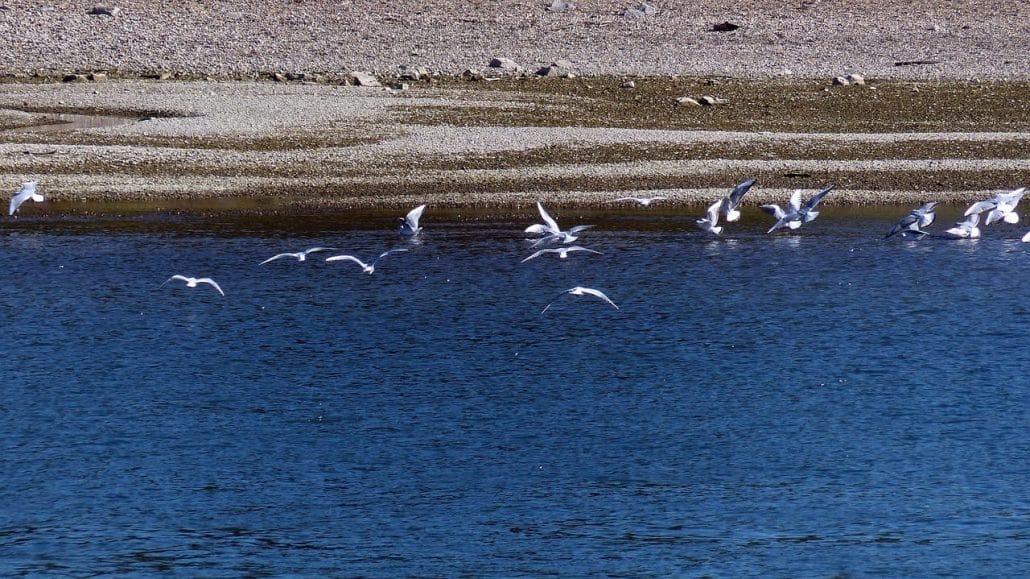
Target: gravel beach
(231,99)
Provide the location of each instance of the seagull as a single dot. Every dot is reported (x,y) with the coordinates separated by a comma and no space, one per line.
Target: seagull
(1026,238)
(368,268)
(409,223)
(967,229)
(796,214)
(580,291)
(913,223)
(300,255)
(709,221)
(643,201)
(550,230)
(563,252)
(193,281)
(27,191)
(1002,207)
(732,201)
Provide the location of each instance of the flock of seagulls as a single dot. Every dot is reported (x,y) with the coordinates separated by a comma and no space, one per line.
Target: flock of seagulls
(1000,208)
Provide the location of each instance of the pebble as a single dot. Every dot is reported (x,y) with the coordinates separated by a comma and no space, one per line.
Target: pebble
(103,11)
(641,10)
(685,101)
(840,81)
(363,79)
(856,79)
(628,84)
(560,6)
(710,101)
(504,64)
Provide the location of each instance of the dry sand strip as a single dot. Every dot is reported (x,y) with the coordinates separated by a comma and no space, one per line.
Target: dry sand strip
(327,145)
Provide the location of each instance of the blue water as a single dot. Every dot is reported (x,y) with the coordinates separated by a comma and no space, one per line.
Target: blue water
(813,404)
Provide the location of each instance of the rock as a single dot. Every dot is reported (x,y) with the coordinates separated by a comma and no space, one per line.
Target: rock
(164,75)
(74,78)
(855,79)
(685,101)
(840,81)
(280,77)
(561,6)
(400,86)
(725,26)
(558,69)
(296,76)
(363,79)
(97,76)
(628,84)
(413,73)
(641,10)
(504,64)
(470,74)
(103,11)
(710,101)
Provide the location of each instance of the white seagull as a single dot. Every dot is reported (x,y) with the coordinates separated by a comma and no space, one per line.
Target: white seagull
(550,230)
(27,191)
(732,201)
(409,223)
(1001,208)
(796,214)
(966,229)
(193,281)
(913,223)
(368,268)
(1026,238)
(711,219)
(643,201)
(563,252)
(581,291)
(300,255)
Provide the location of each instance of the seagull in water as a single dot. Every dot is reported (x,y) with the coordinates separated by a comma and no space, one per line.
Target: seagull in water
(300,255)
(409,223)
(732,201)
(1001,208)
(643,201)
(27,191)
(796,214)
(563,252)
(966,229)
(913,223)
(193,281)
(711,218)
(368,268)
(550,230)
(580,291)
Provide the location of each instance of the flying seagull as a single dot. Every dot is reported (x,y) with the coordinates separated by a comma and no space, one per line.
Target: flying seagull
(796,214)
(1002,207)
(550,230)
(732,201)
(643,201)
(966,229)
(193,281)
(300,255)
(915,221)
(580,291)
(409,223)
(368,268)
(563,252)
(711,219)
(27,191)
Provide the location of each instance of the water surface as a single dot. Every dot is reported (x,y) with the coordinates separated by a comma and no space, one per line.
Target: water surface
(812,404)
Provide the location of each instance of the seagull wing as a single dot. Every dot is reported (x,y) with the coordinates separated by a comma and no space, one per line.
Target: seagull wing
(774,210)
(597,293)
(637,199)
(176,277)
(210,281)
(713,212)
(347,258)
(386,253)
(539,253)
(580,248)
(981,206)
(411,219)
(549,221)
(1026,238)
(551,303)
(794,203)
(577,229)
(537,229)
(275,257)
(317,249)
(738,192)
(905,222)
(815,199)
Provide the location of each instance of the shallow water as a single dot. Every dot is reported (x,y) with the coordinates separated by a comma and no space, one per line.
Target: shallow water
(812,404)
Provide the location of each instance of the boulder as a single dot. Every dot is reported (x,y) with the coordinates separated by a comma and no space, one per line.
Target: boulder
(363,79)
